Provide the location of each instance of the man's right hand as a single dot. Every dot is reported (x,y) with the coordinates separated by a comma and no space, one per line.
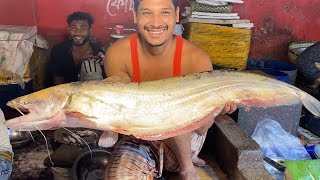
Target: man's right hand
(229,108)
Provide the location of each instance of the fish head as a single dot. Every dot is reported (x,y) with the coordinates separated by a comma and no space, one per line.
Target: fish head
(47,100)
(41,109)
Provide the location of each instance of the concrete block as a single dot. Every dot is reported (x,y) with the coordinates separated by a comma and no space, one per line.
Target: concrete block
(237,154)
(287,116)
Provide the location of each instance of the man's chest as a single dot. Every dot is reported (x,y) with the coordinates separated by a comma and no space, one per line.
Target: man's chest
(149,74)
(79,56)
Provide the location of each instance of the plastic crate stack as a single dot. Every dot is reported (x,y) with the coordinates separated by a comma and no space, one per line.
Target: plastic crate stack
(215,12)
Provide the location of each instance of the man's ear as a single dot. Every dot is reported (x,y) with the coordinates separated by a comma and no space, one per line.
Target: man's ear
(134,16)
(177,14)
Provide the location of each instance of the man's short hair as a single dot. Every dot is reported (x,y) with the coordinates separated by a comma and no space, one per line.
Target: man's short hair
(80,16)
(137,3)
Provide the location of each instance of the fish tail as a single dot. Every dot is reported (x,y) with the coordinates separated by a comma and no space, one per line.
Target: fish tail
(311,103)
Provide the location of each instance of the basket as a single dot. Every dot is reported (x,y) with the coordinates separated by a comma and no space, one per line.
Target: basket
(198,7)
(227,47)
(296,48)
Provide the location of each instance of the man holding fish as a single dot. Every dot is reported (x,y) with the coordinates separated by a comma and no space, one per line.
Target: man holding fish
(168,117)
(155,53)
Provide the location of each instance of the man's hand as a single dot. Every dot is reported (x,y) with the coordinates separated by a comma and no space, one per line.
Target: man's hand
(229,108)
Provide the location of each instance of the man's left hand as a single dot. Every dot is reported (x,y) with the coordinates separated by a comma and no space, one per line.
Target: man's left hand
(229,108)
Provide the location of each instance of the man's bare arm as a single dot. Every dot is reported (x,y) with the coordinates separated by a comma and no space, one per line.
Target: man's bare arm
(114,64)
(200,60)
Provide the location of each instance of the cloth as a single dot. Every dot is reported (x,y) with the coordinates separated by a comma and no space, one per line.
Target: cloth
(6,152)
(91,70)
(5,168)
(135,57)
(307,61)
(137,159)
(4,137)
(61,61)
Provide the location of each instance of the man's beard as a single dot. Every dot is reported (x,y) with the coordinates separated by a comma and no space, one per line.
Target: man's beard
(85,40)
(155,45)
(150,28)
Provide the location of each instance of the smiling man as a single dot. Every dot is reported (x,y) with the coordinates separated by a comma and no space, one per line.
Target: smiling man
(77,58)
(155,53)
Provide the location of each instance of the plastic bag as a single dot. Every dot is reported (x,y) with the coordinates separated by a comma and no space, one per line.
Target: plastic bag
(276,143)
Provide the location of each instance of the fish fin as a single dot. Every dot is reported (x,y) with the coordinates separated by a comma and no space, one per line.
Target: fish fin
(311,103)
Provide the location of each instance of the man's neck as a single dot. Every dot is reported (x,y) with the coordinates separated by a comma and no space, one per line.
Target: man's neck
(157,50)
(86,46)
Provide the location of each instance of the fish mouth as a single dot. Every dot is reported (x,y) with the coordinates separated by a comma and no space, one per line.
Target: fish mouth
(19,107)
(36,121)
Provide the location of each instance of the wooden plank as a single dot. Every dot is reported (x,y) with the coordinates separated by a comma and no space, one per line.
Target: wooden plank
(214,21)
(214,14)
(243,25)
(230,1)
(215,17)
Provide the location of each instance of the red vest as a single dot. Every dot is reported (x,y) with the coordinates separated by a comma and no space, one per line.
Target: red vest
(135,58)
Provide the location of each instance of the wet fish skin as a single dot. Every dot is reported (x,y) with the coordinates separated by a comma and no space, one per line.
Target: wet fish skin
(152,110)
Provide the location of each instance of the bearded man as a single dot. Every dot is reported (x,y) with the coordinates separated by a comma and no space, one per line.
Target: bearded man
(77,58)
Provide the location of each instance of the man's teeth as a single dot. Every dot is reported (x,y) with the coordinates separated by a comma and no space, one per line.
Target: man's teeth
(78,38)
(156,32)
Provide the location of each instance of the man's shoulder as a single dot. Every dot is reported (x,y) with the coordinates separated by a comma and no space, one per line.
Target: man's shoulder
(193,50)
(194,58)
(121,45)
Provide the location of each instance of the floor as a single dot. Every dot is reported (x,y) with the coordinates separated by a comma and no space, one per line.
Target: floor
(210,171)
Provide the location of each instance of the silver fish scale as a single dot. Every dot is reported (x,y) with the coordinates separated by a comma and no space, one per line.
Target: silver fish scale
(152,110)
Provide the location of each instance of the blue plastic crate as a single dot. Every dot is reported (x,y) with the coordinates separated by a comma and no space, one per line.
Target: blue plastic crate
(271,66)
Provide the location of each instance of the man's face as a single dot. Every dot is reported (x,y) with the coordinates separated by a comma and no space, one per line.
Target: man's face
(80,31)
(156,20)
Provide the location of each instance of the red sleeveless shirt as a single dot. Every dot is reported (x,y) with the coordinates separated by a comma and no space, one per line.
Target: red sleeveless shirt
(135,58)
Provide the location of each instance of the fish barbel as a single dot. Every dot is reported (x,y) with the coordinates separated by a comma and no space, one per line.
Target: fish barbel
(152,110)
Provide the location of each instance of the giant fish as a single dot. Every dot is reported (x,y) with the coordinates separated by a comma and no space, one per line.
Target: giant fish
(153,110)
